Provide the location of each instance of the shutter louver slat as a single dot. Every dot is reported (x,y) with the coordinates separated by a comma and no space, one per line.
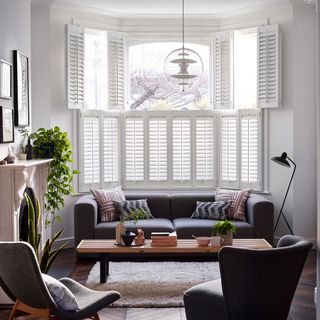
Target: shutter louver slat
(229,156)
(91,150)
(181,149)
(111,150)
(205,149)
(268,67)
(116,69)
(222,70)
(158,156)
(75,67)
(134,149)
(250,150)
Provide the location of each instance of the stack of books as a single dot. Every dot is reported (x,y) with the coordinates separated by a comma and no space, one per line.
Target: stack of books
(164,239)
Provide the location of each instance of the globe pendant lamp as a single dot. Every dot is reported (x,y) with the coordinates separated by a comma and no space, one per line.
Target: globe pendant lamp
(183,67)
(284,161)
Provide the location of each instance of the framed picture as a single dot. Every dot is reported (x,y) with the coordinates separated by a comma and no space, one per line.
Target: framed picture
(21,89)
(5,80)
(6,125)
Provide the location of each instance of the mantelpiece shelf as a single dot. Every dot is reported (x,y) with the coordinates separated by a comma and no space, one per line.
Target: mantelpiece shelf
(21,164)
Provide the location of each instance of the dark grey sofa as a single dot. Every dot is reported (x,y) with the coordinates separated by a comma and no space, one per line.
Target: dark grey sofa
(172,211)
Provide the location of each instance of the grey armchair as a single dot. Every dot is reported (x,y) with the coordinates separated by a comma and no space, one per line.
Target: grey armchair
(21,279)
(255,284)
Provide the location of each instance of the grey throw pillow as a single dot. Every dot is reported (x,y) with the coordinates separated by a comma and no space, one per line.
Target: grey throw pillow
(128,207)
(63,297)
(217,210)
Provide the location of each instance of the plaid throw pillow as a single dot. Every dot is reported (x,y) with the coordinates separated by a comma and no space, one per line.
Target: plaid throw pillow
(128,207)
(238,199)
(105,198)
(217,210)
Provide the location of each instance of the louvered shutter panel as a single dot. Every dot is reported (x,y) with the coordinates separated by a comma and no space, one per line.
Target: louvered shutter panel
(205,148)
(250,149)
(229,151)
(222,70)
(110,150)
(116,71)
(75,67)
(181,149)
(90,151)
(158,149)
(134,140)
(268,67)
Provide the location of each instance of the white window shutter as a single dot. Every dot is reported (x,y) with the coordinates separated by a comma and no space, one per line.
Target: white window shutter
(181,149)
(134,148)
(158,149)
(250,133)
(222,70)
(229,151)
(268,85)
(116,70)
(90,155)
(110,150)
(205,148)
(75,66)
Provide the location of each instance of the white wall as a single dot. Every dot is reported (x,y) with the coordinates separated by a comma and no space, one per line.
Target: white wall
(15,33)
(291,128)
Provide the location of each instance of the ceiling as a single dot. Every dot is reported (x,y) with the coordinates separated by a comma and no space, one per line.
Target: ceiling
(165,7)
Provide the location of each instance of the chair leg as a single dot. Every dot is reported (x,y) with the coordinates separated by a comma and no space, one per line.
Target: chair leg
(14,310)
(95,317)
(45,313)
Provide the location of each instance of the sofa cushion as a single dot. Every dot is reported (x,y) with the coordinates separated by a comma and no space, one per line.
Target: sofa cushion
(238,198)
(159,203)
(106,208)
(128,208)
(211,210)
(186,227)
(183,204)
(106,230)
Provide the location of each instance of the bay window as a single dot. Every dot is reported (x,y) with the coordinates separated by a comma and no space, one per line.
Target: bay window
(137,131)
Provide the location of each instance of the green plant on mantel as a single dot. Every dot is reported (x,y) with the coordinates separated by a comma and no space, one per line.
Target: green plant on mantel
(54,144)
(48,254)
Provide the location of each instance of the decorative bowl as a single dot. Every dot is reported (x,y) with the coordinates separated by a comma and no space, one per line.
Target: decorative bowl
(203,241)
(128,238)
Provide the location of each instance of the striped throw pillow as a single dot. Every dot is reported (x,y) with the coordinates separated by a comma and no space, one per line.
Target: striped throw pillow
(105,199)
(238,198)
(128,207)
(217,210)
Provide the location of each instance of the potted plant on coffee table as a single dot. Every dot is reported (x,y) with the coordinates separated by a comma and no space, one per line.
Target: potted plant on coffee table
(225,229)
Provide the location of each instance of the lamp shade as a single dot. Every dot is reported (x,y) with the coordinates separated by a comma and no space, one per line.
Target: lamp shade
(282,160)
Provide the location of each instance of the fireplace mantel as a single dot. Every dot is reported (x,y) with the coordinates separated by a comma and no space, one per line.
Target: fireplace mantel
(14,178)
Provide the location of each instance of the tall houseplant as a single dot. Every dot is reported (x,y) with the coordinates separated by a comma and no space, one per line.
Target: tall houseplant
(53,143)
(48,254)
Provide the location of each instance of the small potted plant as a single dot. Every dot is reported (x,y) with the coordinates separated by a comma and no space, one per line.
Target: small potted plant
(225,229)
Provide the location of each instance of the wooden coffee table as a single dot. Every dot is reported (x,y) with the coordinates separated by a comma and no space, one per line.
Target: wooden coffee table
(105,247)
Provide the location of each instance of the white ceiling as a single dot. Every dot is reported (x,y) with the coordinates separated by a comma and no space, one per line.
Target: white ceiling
(165,7)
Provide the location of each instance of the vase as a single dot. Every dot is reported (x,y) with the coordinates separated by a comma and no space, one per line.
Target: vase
(120,229)
(29,150)
(139,239)
(227,238)
(128,237)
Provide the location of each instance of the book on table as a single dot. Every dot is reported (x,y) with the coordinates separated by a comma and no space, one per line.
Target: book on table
(161,240)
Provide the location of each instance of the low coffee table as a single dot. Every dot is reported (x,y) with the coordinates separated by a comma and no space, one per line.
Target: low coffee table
(105,247)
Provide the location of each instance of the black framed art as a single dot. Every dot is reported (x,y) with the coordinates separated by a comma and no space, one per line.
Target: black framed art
(21,89)
(5,80)
(6,125)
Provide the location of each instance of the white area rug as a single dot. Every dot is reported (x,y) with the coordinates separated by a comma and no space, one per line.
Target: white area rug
(152,284)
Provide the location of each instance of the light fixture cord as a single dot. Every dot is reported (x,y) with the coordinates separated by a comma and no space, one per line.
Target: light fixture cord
(183,27)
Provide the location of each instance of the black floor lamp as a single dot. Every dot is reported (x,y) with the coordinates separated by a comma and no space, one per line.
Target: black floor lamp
(283,160)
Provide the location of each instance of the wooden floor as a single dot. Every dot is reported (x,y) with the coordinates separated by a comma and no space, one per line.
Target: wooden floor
(302,308)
